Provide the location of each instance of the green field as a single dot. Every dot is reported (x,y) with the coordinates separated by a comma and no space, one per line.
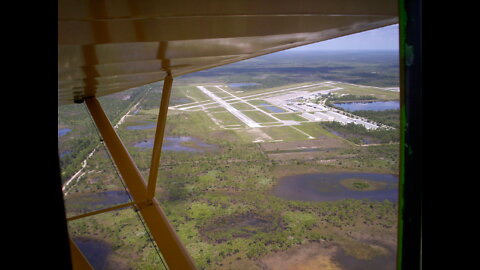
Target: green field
(226,118)
(217,109)
(242,106)
(290,116)
(258,102)
(259,117)
(315,130)
(362,91)
(285,133)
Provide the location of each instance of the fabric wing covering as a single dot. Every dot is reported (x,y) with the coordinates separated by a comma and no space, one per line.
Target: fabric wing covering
(110,46)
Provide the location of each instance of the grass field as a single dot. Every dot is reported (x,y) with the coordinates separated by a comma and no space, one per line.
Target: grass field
(258,102)
(366,90)
(259,117)
(290,116)
(315,130)
(216,109)
(242,106)
(285,133)
(226,118)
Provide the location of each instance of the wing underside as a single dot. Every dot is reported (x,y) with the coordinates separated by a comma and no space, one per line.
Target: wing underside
(110,46)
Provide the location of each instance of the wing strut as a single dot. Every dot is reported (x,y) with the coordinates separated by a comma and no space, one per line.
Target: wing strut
(175,254)
(157,144)
(79,262)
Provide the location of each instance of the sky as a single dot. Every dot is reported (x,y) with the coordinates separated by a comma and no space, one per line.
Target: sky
(385,38)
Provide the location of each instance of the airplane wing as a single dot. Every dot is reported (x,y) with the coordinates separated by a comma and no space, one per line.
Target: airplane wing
(107,46)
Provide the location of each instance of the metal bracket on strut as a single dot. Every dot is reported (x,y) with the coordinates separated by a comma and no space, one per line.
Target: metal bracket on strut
(79,99)
(141,205)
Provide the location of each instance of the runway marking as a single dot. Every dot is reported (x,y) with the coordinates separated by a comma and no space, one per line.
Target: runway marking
(242,117)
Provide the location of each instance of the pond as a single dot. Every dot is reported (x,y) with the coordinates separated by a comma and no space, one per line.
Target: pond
(369,106)
(242,84)
(337,186)
(96,251)
(178,144)
(273,109)
(63,131)
(95,201)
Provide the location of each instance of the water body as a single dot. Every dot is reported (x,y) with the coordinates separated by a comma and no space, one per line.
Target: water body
(273,109)
(176,144)
(327,187)
(111,197)
(96,251)
(242,84)
(369,106)
(95,201)
(63,131)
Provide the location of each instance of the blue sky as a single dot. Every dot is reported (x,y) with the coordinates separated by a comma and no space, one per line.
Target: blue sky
(385,38)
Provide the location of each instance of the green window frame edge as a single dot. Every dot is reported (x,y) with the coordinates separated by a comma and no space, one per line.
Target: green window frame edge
(409,231)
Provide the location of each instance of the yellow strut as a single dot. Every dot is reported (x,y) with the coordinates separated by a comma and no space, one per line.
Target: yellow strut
(79,262)
(157,144)
(101,211)
(163,233)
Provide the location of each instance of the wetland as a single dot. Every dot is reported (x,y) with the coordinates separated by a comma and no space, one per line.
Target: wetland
(178,144)
(337,186)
